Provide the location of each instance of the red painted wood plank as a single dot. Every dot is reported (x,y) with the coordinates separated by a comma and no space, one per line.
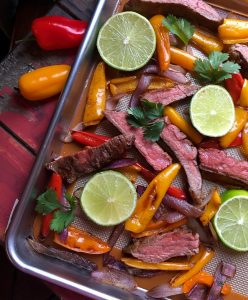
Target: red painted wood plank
(16,163)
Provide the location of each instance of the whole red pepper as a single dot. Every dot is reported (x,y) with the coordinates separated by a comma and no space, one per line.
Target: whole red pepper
(234,86)
(58,32)
(55,184)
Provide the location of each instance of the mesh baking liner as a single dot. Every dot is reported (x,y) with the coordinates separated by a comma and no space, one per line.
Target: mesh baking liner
(239,283)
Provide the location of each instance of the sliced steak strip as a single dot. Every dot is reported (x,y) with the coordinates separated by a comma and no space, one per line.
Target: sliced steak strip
(154,154)
(217,161)
(194,10)
(158,248)
(239,54)
(186,153)
(91,159)
(168,96)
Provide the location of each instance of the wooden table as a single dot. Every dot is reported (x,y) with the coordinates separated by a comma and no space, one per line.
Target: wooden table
(23,124)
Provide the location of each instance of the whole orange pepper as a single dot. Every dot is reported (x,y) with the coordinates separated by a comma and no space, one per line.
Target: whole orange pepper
(182,58)
(44,82)
(240,120)
(233,31)
(162,42)
(96,99)
(81,241)
(150,200)
(206,42)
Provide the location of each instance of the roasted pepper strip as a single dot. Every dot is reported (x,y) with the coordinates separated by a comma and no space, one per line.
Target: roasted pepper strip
(81,241)
(233,31)
(176,119)
(55,184)
(240,120)
(206,42)
(96,100)
(182,58)
(245,140)
(204,259)
(243,100)
(161,228)
(89,139)
(44,82)
(234,86)
(211,208)
(164,266)
(162,42)
(119,80)
(238,141)
(150,200)
(206,279)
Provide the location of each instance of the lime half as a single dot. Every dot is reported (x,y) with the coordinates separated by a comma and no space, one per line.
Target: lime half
(231,220)
(126,41)
(108,198)
(212,111)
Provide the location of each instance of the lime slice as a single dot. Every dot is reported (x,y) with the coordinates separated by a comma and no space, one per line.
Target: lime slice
(212,111)
(231,220)
(108,198)
(126,41)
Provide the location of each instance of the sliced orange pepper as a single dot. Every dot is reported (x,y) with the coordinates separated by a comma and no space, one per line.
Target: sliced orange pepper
(243,100)
(81,241)
(96,100)
(182,58)
(176,119)
(233,31)
(156,225)
(162,42)
(197,256)
(206,279)
(122,79)
(165,266)
(206,42)
(245,140)
(211,208)
(240,120)
(150,200)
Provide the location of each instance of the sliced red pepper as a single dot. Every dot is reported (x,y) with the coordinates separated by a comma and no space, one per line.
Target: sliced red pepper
(234,86)
(89,138)
(55,183)
(237,142)
(176,192)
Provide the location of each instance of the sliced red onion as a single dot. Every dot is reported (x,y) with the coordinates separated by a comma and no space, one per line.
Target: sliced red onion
(151,69)
(189,49)
(63,235)
(173,216)
(204,232)
(121,163)
(198,292)
(177,68)
(63,201)
(207,198)
(173,40)
(229,270)
(143,84)
(140,190)
(164,290)
(176,76)
(79,127)
(67,138)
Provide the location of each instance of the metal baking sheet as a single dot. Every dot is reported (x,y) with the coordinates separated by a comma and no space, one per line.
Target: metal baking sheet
(72,101)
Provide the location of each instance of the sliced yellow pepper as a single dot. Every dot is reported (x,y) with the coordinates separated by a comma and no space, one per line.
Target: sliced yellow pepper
(44,82)
(150,200)
(96,100)
(245,140)
(211,208)
(206,42)
(240,120)
(176,119)
(243,100)
(182,58)
(164,266)
(233,31)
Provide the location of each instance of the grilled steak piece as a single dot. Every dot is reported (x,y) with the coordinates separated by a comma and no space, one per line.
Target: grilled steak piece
(154,154)
(168,96)
(91,159)
(194,10)
(186,153)
(161,247)
(217,161)
(239,54)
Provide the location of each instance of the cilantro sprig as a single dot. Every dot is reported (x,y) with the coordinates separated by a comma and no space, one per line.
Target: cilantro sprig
(63,215)
(180,27)
(216,68)
(146,116)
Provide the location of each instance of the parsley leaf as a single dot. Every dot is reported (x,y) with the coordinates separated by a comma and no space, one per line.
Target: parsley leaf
(145,116)
(47,202)
(152,131)
(180,27)
(216,68)
(61,220)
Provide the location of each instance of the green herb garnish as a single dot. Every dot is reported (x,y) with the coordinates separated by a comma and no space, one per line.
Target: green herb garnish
(216,68)
(180,27)
(146,116)
(63,216)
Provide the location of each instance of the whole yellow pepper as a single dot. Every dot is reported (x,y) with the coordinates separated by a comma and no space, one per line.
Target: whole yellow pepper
(176,119)
(240,120)
(206,42)
(211,208)
(243,100)
(44,82)
(182,58)
(233,31)
(150,200)
(96,100)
